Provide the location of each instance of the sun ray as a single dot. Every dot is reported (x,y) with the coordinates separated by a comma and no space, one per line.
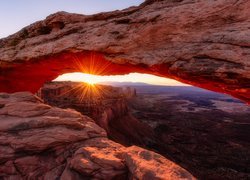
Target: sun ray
(93,68)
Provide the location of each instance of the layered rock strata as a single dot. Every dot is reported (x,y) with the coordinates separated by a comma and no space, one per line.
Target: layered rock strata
(38,141)
(106,105)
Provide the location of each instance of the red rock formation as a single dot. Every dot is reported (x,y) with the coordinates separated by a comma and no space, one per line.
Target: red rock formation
(203,43)
(105,104)
(38,141)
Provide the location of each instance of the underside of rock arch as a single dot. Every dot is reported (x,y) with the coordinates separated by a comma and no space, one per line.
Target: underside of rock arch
(202,43)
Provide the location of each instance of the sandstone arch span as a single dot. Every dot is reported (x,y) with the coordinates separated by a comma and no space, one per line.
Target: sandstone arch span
(202,43)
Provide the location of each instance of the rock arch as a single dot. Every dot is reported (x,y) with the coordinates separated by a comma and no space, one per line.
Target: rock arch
(202,43)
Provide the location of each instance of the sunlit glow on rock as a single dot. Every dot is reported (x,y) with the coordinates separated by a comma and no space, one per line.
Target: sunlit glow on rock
(94,70)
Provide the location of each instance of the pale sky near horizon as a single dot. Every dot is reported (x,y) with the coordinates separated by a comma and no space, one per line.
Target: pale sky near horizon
(132,77)
(16,14)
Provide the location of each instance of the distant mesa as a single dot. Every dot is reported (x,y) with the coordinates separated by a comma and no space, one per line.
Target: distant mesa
(113,83)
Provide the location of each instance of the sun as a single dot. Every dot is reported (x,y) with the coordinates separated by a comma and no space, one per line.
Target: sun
(90,79)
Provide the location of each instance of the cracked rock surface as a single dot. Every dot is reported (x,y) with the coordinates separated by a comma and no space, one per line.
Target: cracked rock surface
(38,141)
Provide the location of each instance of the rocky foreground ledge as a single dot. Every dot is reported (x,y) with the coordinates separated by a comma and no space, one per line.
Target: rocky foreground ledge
(38,141)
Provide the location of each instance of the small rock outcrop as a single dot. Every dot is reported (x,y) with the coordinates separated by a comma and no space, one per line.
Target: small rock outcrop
(202,43)
(38,141)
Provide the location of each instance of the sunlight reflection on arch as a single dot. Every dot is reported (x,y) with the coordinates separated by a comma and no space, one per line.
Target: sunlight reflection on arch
(93,71)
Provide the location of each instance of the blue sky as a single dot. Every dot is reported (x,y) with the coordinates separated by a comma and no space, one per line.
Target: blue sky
(16,14)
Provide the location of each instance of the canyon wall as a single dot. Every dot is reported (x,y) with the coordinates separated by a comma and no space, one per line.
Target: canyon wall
(107,105)
(202,43)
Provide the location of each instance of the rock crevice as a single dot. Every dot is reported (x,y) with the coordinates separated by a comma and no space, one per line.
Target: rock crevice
(62,143)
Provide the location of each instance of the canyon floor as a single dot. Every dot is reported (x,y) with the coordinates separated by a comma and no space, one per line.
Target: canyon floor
(205,132)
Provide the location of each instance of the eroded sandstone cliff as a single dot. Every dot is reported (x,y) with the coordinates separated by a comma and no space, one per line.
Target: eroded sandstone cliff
(203,43)
(106,105)
(38,141)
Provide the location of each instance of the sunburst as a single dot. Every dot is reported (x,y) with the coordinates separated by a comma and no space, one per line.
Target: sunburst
(90,79)
(86,92)
(94,65)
